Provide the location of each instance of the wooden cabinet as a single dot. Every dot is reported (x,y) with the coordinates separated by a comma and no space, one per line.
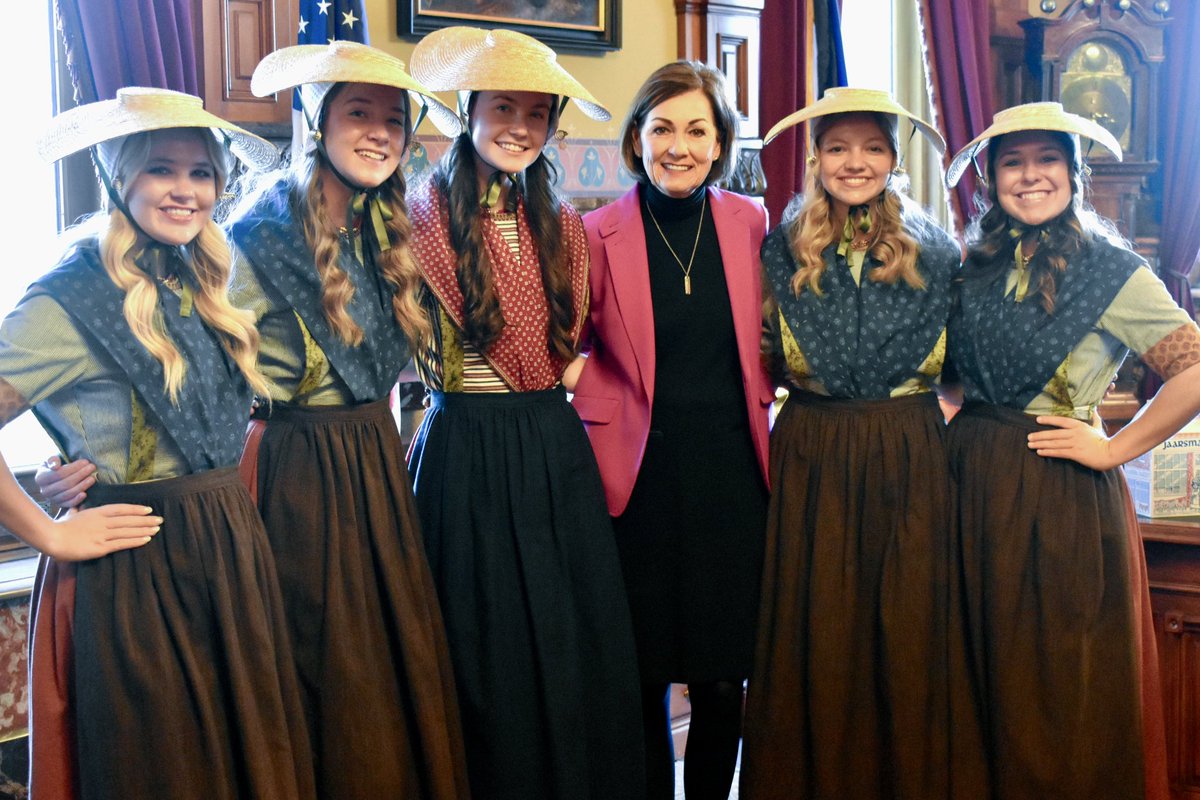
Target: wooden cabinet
(1173,562)
(234,36)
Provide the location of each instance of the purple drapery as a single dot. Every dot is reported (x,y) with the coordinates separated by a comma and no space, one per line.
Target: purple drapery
(1180,243)
(117,43)
(782,91)
(956,38)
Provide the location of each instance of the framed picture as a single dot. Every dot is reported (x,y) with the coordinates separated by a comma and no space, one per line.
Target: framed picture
(562,24)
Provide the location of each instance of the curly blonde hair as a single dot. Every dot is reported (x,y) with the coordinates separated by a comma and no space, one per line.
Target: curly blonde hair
(810,229)
(210,262)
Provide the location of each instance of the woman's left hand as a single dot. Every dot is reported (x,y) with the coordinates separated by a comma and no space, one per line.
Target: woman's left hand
(1074,440)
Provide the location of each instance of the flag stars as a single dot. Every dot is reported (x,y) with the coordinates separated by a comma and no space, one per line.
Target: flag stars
(348,19)
(303,26)
(323,7)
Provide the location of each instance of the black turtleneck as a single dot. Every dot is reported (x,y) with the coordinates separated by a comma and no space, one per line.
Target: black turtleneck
(695,346)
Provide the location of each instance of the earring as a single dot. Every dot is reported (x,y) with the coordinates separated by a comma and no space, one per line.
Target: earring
(811,161)
(899,171)
(226,196)
(316,135)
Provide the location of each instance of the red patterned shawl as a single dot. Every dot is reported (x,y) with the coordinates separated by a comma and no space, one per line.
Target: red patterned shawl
(521,355)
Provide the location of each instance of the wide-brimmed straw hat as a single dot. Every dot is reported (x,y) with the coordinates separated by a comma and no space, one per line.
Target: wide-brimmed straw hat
(849,100)
(342,62)
(465,59)
(137,109)
(1032,117)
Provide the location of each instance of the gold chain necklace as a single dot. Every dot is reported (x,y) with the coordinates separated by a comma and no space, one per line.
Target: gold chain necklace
(687,271)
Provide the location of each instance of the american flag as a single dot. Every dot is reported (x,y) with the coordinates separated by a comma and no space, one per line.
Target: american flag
(324,21)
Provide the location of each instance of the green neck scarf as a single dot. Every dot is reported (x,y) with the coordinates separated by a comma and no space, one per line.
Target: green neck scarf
(853,227)
(369,206)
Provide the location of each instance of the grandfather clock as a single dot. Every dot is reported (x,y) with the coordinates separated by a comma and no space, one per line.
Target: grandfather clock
(1101,59)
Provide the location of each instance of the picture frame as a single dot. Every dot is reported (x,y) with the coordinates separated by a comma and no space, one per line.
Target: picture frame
(579,25)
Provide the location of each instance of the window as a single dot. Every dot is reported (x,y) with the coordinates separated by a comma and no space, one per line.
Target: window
(31,198)
(868,41)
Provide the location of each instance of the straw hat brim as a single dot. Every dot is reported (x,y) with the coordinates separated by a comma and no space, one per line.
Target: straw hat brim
(846,100)
(1032,117)
(345,62)
(462,58)
(140,109)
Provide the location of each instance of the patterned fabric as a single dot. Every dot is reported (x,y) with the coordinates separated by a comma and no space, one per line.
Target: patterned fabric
(1176,352)
(316,367)
(507,225)
(1142,314)
(863,341)
(208,421)
(271,237)
(143,443)
(520,355)
(1007,351)
(478,375)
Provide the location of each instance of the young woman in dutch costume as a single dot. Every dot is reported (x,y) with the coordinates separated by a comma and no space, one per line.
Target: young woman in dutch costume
(510,498)
(160,668)
(849,692)
(1055,592)
(322,260)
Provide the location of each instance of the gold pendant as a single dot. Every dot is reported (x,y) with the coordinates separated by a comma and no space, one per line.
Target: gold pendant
(687,284)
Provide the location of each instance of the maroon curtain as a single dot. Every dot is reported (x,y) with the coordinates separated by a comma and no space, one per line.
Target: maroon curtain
(1180,85)
(956,38)
(116,43)
(781,91)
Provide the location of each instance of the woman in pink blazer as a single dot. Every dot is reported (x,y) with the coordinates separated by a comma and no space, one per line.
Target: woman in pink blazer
(675,402)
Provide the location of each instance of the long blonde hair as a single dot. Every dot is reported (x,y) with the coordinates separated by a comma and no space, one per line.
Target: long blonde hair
(395,264)
(210,262)
(810,230)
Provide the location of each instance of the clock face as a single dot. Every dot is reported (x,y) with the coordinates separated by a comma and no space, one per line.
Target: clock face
(1097,85)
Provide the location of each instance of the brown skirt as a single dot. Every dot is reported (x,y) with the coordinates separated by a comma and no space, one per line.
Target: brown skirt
(360,604)
(849,697)
(1051,608)
(180,682)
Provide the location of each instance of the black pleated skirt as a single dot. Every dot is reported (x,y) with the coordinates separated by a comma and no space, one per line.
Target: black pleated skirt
(522,551)
(184,683)
(691,546)
(849,695)
(1049,608)
(360,603)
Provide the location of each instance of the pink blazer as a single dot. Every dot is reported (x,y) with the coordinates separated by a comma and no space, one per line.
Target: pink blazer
(616,388)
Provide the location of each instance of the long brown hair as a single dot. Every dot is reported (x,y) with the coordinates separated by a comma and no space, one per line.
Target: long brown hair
(396,264)
(456,181)
(990,240)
